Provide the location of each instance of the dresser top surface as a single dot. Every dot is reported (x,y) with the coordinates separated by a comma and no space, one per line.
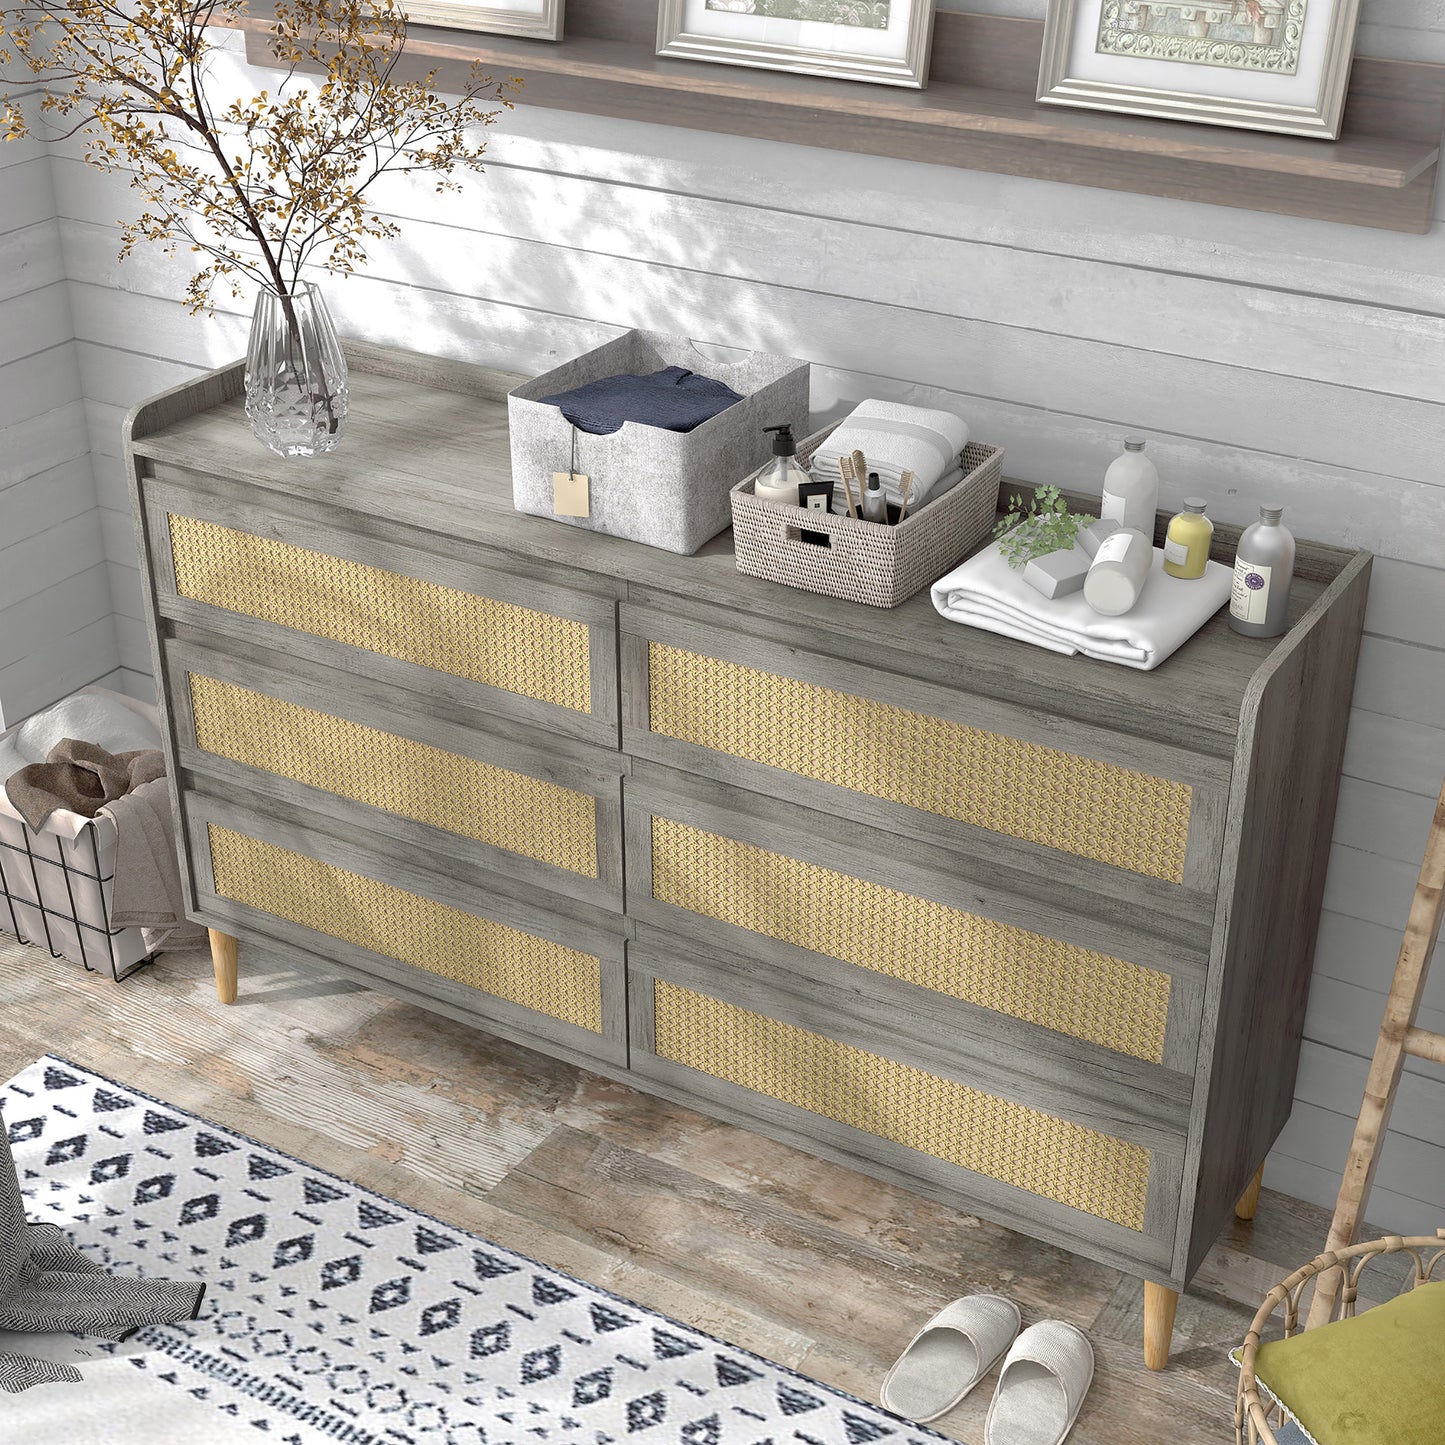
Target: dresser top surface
(421,455)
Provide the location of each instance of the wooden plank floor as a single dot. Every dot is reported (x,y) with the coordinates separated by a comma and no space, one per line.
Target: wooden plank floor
(802,1261)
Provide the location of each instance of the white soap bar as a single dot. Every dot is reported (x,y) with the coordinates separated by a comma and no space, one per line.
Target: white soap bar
(1056,574)
(1091,537)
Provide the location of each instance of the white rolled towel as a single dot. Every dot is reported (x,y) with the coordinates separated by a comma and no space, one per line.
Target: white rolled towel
(986,592)
(896,438)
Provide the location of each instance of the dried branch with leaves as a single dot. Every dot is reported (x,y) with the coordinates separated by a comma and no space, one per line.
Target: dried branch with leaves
(263,186)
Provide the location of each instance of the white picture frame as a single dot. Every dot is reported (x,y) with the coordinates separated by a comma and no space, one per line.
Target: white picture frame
(1270,65)
(731,32)
(530,19)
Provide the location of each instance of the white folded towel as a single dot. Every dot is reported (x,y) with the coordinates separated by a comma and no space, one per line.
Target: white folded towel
(896,438)
(986,592)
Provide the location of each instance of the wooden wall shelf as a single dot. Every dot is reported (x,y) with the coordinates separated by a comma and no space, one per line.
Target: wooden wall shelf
(979,113)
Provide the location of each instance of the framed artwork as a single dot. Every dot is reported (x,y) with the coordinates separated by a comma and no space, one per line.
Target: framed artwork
(1278,65)
(535,19)
(885,41)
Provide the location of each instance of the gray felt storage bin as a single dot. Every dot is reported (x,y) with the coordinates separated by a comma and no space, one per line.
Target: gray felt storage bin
(668,489)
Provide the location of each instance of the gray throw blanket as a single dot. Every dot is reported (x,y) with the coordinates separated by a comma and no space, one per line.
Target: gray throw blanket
(147,872)
(48,1285)
(81,777)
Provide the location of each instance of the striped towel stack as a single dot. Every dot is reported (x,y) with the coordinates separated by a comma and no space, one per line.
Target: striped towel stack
(895,439)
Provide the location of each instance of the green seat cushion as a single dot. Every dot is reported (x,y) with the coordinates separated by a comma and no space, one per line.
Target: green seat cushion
(1377,1379)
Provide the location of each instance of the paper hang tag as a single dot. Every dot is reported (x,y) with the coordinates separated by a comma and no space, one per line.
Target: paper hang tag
(569,495)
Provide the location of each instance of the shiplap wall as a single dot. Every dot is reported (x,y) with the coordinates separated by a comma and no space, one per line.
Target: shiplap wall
(1265,357)
(56,631)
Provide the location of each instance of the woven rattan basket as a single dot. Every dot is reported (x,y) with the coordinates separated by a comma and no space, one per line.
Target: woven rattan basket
(1256,1415)
(842,556)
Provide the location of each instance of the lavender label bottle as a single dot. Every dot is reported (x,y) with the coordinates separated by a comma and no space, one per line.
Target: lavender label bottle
(1263,571)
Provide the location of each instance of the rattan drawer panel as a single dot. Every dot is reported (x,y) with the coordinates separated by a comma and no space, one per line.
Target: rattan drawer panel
(499,644)
(495,958)
(1077,991)
(1012,1143)
(527,816)
(1079,805)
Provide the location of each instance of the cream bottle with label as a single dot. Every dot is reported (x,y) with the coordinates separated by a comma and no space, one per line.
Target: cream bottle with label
(1186,544)
(1263,571)
(1131,489)
(1118,572)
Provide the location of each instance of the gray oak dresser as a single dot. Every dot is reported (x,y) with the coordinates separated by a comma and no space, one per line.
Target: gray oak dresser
(1028,933)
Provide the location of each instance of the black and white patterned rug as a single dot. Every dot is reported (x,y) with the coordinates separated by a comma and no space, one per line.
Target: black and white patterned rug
(335,1315)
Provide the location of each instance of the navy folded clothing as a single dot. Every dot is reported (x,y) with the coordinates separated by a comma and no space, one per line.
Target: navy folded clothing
(673,398)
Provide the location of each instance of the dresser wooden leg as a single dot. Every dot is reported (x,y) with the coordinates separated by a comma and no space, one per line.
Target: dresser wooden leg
(1249,1200)
(1160,1302)
(223,960)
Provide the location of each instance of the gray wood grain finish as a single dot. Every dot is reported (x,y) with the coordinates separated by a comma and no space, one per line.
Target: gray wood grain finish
(266,936)
(1147,1253)
(1174,939)
(858,854)
(1381,172)
(335,695)
(787,655)
(451,485)
(157,413)
(785,650)
(1118,1095)
(420,878)
(474,567)
(598,725)
(1281,819)
(1254,726)
(442,874)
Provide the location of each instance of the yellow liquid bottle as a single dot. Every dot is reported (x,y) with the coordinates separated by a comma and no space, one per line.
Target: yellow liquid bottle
(1186,545)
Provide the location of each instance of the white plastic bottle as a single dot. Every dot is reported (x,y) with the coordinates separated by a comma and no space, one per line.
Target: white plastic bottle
(1131,489)
(1118,572)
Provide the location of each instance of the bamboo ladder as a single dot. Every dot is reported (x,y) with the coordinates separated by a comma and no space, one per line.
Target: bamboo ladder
(1399,1036)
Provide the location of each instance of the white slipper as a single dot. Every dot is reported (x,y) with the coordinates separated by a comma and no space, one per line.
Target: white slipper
(949,1356)
(1041,1386)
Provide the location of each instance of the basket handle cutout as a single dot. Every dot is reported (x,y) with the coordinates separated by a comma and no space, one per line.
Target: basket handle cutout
(811,539)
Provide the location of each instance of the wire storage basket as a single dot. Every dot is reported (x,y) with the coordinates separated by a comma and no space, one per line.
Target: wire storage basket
(56,888)
(859,561)
(1256,1415)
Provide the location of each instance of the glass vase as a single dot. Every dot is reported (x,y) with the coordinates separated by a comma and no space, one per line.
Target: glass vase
(296,391)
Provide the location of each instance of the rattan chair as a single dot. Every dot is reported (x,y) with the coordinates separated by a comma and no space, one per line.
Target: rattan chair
(1252,1417)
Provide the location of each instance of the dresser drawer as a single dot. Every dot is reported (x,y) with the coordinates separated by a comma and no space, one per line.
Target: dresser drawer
(846,906)
(973,774)
(521,969)
(843,1087)
(369,762)
(433,623)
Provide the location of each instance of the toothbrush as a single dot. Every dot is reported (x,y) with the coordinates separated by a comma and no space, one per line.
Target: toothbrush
(860,475)
(845,466)
(906,485)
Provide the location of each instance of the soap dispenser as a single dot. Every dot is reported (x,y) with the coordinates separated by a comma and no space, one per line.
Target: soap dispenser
(779,483)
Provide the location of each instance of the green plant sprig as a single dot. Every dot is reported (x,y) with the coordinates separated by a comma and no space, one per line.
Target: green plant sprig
(1045,525)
